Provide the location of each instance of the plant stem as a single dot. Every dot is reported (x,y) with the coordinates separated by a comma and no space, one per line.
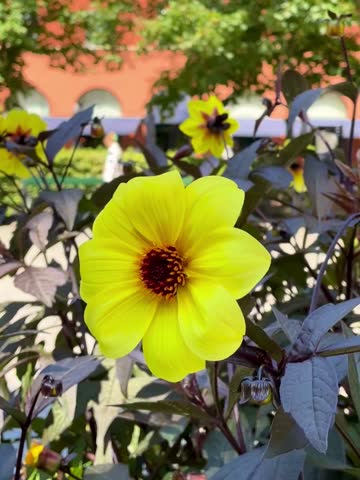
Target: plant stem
(24,430)
(240,447)
(349,265)
(329,253)
(71,156)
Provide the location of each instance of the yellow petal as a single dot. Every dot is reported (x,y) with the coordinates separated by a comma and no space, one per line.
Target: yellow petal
(216,145)
(214,103)
(298,181)
(211,203)
(10,164)
(192,127)
(155,206)
(233,258)
(200,144)
(165,352)
(196,108)
(113,224)
(210,320)
(103,265)
(234,125)
(118,319)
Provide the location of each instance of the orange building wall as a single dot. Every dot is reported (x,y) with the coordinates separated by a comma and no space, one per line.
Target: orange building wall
(131,84)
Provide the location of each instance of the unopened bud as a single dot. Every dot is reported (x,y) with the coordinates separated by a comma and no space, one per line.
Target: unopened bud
(97,130)
(335,29)
(245,389)
(184,151)
(42,458)
(51,387)
(261,391)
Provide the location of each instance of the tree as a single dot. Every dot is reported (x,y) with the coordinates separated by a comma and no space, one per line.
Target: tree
(69,35)
(228,42)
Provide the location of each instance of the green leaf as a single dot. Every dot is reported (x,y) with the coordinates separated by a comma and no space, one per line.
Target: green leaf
(285,436)
(292,84)
(308,393)
(317,324)
(253,466)
(172,407)
(107,472)
(295,147)
(286,325)
(7,461)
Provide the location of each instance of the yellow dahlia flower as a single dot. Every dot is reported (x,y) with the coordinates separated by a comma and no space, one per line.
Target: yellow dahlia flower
(22,128)
(298,182)
(166,266)
(209,126)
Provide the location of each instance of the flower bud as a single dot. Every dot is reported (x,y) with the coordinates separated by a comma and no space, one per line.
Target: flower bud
(97,130)
(335,29)
(51,387)
(42,458)
(261,391)
(245,389)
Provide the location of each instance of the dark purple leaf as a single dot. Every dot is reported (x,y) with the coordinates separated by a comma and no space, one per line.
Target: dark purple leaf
(302,103)
(39,227)
(65,204)
(9,267)
(70,372)
(67,131)
(254,466)
(41,283)
(309,393)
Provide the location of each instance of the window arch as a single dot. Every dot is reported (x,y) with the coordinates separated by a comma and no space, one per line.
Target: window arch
(33,102)
(106,104)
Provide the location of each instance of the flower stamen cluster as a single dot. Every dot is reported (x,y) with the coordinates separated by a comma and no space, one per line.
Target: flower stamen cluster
(162,271)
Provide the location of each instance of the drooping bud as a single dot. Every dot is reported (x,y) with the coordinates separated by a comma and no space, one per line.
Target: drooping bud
(42,458)
(97,129)
(245,389)
(261,391)
(51,387)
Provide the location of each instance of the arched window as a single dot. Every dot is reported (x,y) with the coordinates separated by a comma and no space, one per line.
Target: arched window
(33,102)
(329,106)
(106,105)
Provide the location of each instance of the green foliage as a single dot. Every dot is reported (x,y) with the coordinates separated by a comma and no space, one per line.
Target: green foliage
(111,419)
(68,36)
(227,43)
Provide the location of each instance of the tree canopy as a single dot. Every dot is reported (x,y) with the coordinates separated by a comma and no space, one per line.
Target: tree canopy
(228,42)
(69,36)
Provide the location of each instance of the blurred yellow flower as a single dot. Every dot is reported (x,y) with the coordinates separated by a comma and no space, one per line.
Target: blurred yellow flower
(22,128)
(33,454)
(209,126)
(166,266)
(298,182)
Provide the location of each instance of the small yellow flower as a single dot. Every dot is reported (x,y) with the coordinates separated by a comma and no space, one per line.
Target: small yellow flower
(298,182)
(33,454)
(166,266)
(22,128)
(209,126)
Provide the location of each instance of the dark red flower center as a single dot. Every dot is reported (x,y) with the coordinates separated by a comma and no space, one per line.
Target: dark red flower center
(162,271)
(217,123)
